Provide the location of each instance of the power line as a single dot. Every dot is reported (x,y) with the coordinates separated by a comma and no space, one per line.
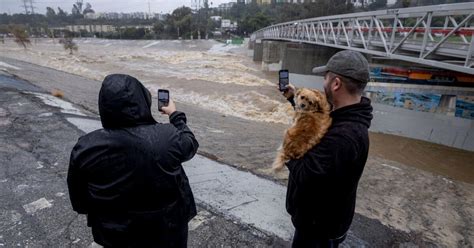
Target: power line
(25,4)
(32,7)
(196,4)
(28,5)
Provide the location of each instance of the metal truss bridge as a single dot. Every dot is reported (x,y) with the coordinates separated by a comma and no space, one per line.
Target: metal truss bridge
(440,36)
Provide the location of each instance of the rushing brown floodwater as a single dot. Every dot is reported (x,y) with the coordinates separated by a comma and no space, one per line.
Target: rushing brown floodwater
(442,160)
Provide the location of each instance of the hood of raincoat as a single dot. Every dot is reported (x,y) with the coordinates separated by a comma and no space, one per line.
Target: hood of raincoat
(124,102)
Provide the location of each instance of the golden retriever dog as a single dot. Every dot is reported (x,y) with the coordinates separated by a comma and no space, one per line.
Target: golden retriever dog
(311,121)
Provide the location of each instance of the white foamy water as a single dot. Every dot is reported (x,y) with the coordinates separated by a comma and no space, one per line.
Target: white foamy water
(151,44)
(222,48)
(247,105)
(192,65)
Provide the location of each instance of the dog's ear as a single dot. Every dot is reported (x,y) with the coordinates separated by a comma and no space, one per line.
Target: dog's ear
(324,104)
(320,109)
(317,92)
(298,91)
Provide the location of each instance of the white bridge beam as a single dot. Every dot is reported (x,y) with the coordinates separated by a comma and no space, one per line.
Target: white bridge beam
(440,35)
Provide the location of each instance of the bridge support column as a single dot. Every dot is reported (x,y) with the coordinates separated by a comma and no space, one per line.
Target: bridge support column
(251,44)
(301,58)
(272,55)
(258,50)
(447,105)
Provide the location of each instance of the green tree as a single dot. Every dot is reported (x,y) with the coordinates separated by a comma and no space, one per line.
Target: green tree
(159,30)
(50,13)
(159,27)
(378,4)
(182,20)
(88,9)
(61,13)
(253,23)
(133,33)
(4,29)
(415,3)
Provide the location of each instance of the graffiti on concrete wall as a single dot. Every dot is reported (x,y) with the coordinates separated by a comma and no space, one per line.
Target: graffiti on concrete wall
(424,102)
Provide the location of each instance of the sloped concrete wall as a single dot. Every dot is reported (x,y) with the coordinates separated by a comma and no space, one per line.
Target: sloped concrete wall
(437,128)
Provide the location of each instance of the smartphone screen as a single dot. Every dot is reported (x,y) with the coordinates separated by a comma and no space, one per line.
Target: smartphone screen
(163,98)
(284,79)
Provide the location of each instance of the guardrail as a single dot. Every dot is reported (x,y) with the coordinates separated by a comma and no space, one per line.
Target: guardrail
(440,35)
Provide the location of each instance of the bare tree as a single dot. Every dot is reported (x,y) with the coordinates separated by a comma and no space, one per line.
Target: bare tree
(21,36)
(69,44)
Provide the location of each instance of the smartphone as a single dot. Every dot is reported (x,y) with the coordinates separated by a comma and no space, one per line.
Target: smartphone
(284,80)
(163,98)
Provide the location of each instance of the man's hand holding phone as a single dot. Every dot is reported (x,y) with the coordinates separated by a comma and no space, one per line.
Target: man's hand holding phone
(283,80)
(284,85)
(289,92)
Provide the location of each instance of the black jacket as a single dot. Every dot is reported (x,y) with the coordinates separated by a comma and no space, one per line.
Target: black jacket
(322,185)
(128,176)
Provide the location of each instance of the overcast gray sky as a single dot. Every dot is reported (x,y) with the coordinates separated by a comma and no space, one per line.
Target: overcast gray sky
(157,6)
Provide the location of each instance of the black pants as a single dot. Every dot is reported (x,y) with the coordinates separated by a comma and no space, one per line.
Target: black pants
(309,239)
(170,238)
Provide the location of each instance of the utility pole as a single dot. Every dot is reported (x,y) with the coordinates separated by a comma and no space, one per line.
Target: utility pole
(206,17)
(31,7)
(149,11)
(196,5)
(25,4)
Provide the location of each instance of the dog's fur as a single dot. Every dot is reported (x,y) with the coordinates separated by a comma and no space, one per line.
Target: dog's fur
(311,121)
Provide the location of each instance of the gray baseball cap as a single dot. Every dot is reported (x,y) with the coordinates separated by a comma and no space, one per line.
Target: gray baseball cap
(346,63)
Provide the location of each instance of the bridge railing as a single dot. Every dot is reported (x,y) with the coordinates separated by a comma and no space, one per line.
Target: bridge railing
(439,35)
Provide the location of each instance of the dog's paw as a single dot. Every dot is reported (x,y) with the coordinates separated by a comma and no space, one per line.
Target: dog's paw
(277,166)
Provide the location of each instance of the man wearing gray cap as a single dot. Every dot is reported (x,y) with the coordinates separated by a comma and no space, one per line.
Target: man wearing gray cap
(322,185)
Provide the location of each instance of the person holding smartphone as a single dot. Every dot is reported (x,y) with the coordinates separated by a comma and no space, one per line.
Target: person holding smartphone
(128,177)
(322,185)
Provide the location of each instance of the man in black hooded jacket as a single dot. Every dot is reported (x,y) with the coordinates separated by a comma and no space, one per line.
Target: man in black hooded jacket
(322,185)
(128,177)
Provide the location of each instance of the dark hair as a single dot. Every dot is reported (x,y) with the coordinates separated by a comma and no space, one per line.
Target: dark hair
(353,86)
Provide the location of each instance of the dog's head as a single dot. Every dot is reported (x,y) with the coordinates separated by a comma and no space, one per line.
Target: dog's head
(308,100)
